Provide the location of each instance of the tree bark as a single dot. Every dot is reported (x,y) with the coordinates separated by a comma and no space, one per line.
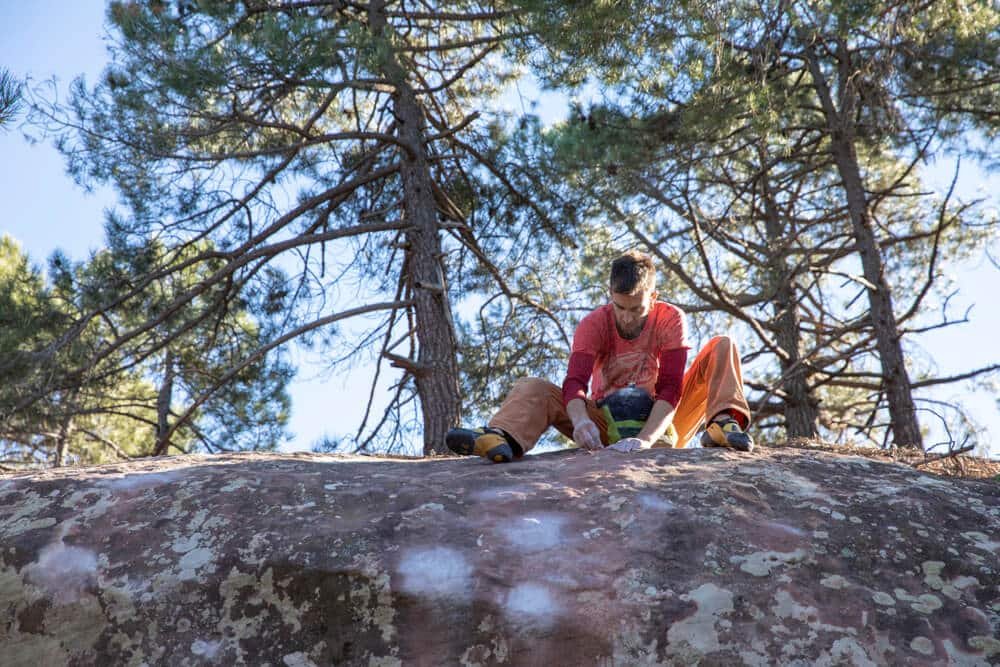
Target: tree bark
(801,415)
(840,128)
(436,371)
(163,400)
(65,429)
(62,443)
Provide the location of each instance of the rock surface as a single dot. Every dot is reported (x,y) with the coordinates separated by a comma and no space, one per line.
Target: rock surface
(657,557)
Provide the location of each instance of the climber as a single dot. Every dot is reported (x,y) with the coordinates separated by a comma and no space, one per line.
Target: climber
(631,346)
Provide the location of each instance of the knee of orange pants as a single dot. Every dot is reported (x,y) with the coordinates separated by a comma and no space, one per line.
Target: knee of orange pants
(722,343)
(531,406)
(533,386)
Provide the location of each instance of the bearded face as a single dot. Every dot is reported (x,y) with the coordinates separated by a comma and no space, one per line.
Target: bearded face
(631,311)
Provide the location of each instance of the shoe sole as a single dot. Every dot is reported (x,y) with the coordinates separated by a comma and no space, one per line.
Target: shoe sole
(500,454)
(739,441)
(464,445)
(460,444)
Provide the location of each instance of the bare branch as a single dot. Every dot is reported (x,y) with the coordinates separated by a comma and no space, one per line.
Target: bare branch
(107,443)
(952,454)
(260,352)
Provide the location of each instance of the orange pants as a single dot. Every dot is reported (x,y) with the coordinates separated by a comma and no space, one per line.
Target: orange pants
(712,384)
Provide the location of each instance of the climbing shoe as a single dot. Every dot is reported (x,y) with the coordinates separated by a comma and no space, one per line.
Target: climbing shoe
(726,432)
(490,443)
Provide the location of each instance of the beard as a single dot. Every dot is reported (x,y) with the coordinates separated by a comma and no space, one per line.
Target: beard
(632,330)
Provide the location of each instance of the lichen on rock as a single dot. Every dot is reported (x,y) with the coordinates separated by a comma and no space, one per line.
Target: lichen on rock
(657,557)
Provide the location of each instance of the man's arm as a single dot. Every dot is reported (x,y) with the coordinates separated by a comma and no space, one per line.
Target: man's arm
(585,431)
(656,425)
(586,339)
(668,393)
(577,410)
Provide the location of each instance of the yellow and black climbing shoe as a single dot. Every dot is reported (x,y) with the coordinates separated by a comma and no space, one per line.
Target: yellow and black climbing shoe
(490,443)
(726,433)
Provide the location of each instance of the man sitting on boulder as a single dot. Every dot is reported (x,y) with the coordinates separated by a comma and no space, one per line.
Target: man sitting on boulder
(632,351)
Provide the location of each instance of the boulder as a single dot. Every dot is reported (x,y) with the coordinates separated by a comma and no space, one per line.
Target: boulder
(658,557)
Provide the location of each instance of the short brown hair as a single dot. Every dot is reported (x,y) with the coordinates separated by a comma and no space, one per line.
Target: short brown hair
(633,273)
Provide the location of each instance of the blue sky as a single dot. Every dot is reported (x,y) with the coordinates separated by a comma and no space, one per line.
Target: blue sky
(45,210)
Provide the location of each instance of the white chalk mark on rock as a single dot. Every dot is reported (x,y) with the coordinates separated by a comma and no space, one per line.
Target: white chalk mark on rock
(436,572)
(537,532)
(206,649)
(64,571)
(533,604)
(656,503)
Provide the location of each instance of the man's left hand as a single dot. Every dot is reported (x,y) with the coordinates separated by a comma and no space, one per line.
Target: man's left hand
(627,445)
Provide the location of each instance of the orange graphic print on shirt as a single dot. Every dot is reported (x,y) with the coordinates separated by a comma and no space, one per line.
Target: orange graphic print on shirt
(638,368)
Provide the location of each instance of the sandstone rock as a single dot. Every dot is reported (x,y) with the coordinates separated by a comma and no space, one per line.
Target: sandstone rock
(657,557)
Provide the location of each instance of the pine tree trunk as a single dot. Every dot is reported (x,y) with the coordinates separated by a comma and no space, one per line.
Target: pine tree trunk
(436,369)
(895,379)
(62,443)
(163,401)
(801,415)
(65,430)
(899,393)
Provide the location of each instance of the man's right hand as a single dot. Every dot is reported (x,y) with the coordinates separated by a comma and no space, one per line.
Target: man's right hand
(586,435)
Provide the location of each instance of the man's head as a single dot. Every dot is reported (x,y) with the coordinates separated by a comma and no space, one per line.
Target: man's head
(633,291)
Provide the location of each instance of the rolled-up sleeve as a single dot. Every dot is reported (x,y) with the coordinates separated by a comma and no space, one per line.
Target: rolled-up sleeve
(588,339)
(581,365)
(670,378)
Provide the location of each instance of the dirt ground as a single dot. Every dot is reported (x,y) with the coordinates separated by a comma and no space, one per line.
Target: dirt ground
(961,465)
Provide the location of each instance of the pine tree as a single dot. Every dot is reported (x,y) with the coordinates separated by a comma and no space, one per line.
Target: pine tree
(319,137)
(875,91)
(10,97)
(212,391)
(67,424)
(151,394)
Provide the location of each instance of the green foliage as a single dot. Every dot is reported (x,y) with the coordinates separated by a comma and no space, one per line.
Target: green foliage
(10,97)
(288,139)
(96,405)
(34,317)
(260,152)
(28,321)
(712,147)
(21,299)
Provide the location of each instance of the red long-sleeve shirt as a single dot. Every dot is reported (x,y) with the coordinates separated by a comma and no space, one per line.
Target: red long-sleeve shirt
(653,361)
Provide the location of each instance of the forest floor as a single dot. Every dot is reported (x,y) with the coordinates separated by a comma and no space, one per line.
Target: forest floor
(959,465)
